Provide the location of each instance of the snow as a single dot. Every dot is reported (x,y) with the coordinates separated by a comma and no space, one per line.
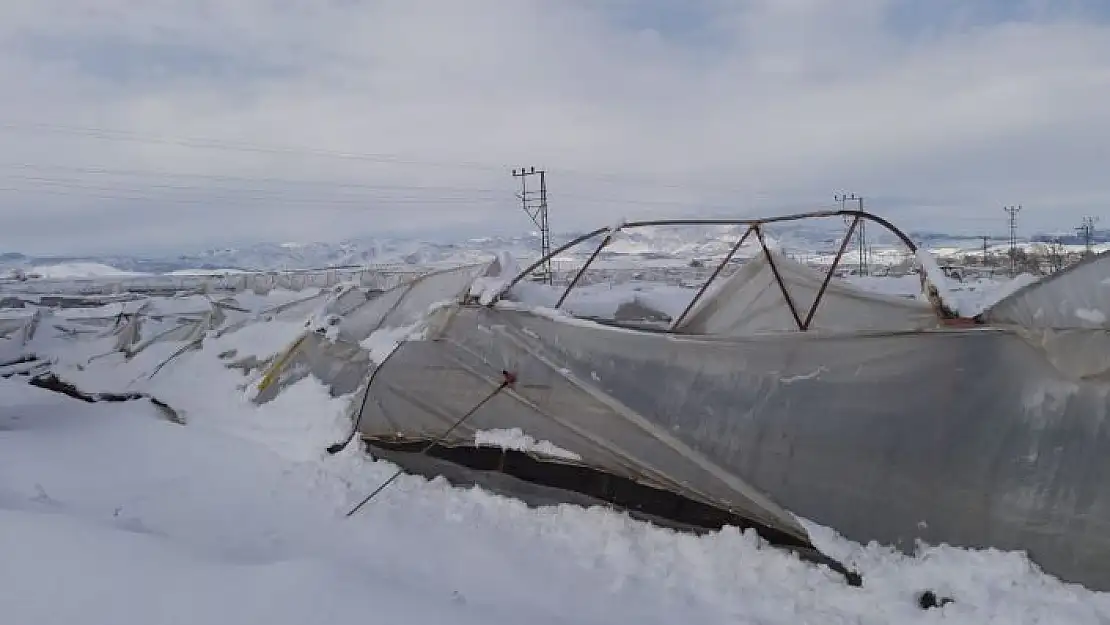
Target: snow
(488,288)
(155,521)
(383,341)
(80,270)
(516,439)
(111,514)
(206,272)
(934,274)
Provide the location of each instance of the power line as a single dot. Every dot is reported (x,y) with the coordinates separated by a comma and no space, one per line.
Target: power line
(220,201)
(232,146)
(113,185)
(415,193)
(127,136)
(148,173)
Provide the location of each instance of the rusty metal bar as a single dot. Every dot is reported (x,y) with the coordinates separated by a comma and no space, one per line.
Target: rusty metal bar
(778,278)
(714,222)
(705,285)
(578,276)
(559,250)
(829,275)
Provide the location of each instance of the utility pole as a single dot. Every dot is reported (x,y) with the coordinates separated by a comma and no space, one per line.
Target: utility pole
(534,202)
(864,261)
(1013,211)
(1056,254)
(1087,232)
(986,239)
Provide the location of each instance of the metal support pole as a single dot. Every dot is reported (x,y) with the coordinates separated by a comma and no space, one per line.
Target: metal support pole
(829,275)
(578,276)
(778,278)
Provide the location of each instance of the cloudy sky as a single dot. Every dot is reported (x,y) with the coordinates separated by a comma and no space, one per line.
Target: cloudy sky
(177,124)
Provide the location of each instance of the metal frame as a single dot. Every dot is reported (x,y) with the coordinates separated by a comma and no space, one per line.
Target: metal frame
(858,217)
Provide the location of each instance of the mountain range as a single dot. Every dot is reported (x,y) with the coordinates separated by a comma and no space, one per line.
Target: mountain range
(685,243)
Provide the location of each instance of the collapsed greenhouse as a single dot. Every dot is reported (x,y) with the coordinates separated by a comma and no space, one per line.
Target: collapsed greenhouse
(778,391)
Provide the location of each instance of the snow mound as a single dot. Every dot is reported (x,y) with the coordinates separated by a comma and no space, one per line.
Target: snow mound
(80,270)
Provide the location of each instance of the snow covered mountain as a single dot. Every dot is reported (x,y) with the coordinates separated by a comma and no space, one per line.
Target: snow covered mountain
(679,244)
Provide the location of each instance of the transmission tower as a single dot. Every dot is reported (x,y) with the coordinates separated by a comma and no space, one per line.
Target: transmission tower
(986,239)
(864,260)
(1087,232)
(534,203)
(1013,211)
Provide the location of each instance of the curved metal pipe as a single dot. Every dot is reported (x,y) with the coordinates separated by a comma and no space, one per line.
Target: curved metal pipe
(750,222)
(559,250)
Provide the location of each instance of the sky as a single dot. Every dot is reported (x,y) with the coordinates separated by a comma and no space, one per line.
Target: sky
(154,125)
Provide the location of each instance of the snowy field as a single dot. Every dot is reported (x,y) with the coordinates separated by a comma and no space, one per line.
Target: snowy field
(111,513)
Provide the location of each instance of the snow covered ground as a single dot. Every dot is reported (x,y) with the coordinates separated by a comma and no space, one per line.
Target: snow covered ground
(109,513)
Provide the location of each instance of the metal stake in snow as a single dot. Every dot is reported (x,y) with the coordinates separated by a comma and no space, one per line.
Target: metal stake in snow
(507,380)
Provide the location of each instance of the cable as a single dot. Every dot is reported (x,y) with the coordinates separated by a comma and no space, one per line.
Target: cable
(381,158)
(508,379)
(223,177)
(213,194)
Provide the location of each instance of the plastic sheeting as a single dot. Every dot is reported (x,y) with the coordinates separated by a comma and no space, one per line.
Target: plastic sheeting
(338,361)
(750,302)
(13,325)
(406,304)
(341,366)
(1076,298)
(16,332)
(426,385)
(1066,315)
(962,436)
(189,329)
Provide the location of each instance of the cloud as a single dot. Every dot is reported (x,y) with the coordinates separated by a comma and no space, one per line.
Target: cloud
(171,124)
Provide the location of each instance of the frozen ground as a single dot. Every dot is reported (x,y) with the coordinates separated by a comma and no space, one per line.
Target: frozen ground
(111,514)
